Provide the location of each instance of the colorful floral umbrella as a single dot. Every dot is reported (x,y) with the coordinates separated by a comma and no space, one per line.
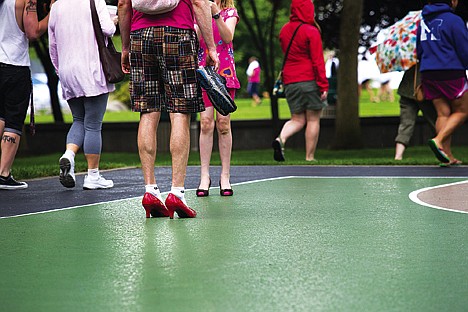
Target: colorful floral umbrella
(396,49)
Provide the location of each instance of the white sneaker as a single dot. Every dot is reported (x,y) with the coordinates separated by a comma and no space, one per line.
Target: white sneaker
(67,171)
(99,183)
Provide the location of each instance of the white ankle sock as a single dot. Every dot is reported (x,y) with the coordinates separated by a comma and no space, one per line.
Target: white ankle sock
(179,192)
(70,154)
(153,189)
(93,173)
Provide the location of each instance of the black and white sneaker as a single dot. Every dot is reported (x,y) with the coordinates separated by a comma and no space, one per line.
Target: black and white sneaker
(9,183)
(67,172)
(215,86)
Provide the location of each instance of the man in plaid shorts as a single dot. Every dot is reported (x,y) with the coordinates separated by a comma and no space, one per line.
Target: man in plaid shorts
(160,53)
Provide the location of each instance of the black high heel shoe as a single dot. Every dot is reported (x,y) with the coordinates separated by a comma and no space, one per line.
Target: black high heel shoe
(202,192)
(225,192)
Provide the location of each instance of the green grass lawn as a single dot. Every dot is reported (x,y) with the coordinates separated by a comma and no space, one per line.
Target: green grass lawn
(245,111)
(47,165)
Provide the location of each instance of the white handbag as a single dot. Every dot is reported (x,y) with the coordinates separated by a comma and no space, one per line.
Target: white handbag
(154,6)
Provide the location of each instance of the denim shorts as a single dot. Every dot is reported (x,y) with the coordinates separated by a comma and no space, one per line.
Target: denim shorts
(252,88)
(302,96)
(163,63)
(15,95)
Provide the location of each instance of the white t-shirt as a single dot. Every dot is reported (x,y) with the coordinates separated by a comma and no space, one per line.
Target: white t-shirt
(252,67)
(14,45)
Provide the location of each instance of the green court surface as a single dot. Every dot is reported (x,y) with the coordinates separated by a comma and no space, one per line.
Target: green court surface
(289,244)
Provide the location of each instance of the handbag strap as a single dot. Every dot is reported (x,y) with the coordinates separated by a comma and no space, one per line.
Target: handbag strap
(416,69)
(97,25)
(289,46)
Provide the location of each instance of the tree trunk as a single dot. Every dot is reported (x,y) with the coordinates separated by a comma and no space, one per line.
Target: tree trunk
(42,50)
(347,126)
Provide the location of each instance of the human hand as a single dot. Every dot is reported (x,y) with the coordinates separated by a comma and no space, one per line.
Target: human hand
(214,8)
(212,58)
(125,62)
(323,95)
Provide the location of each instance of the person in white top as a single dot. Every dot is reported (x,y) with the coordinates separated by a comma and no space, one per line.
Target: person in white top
(74,52)
(19,24)
(253,80)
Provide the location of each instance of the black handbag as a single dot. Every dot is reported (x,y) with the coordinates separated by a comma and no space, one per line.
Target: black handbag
(111,60)
(215,86)
(278,87)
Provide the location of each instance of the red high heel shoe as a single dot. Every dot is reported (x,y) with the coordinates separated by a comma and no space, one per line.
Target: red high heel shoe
(202,192)
(174,204)
(225,192)
(154,207)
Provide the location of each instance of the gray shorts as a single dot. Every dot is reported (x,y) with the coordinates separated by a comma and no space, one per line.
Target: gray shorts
(302,96)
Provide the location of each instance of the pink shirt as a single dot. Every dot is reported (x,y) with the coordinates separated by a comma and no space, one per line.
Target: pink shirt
(255,78)
(227,67)
(181,17)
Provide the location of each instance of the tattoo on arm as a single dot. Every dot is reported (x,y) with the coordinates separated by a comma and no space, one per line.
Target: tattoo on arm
(31,6)
(10,139)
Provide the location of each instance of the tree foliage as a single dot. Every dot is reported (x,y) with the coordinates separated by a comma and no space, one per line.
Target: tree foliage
(376,15)
(257,35)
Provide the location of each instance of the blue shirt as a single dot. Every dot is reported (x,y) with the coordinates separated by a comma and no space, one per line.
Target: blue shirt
(442,42)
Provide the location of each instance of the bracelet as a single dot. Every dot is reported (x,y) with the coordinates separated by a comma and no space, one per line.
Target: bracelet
(216,16)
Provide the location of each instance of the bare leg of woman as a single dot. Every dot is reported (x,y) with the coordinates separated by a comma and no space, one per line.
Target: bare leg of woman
(223,125)
(312,133)
(292,126)
(206,145)
(459,108)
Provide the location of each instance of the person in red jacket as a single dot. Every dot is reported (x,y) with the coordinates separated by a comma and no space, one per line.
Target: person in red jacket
(306,84)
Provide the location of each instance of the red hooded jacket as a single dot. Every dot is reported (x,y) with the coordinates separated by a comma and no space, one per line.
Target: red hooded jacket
(305,59)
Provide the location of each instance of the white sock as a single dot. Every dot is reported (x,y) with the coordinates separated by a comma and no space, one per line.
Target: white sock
(70,154)
(93,173)
(179,192)
(153,189)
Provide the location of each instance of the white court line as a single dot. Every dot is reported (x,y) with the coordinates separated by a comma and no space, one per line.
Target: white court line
(414,196)
(242,183)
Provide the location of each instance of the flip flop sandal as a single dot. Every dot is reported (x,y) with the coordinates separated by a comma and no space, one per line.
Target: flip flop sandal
(438,152)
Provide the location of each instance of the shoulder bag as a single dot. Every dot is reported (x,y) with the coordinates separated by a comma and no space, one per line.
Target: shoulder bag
(110,58)
(278,88)
(154,6)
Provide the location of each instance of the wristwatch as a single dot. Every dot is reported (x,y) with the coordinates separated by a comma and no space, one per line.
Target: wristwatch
(216,16)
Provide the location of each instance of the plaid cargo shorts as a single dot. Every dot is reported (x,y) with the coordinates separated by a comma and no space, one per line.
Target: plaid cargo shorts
(163,63)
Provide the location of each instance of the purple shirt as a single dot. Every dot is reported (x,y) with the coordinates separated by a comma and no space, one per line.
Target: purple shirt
(227,67)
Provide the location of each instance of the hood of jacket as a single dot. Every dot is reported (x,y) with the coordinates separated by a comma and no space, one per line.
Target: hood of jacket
(302,11)
(435,9)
